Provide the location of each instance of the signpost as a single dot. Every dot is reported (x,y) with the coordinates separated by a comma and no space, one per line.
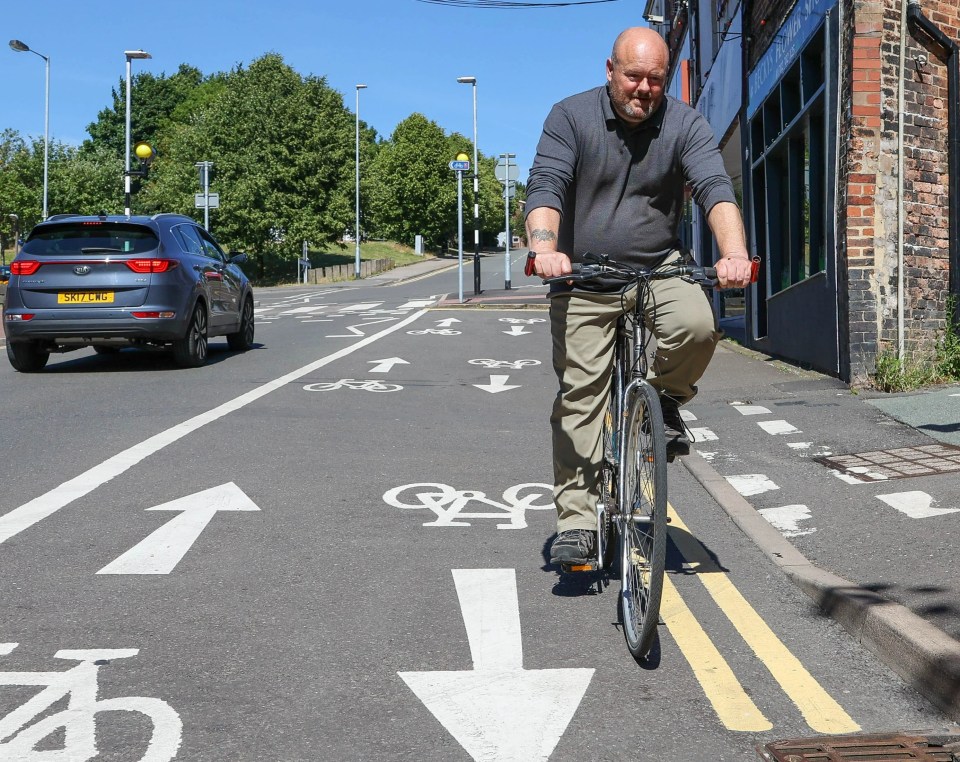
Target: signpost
(507,174)
(460,165)
(206,200)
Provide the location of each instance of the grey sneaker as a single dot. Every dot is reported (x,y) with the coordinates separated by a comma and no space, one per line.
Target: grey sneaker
(574,546)
(678,436)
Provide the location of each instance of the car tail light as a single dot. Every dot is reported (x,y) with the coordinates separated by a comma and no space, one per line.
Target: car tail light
(151,265)
(154,315)
(24,266)
(16,317)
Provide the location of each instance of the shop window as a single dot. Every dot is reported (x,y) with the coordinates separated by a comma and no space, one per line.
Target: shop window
(788,135)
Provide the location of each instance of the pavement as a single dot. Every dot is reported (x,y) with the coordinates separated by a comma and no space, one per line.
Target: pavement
(869,584)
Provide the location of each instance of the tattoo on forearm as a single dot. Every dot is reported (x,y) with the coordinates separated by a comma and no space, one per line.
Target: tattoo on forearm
(543,235)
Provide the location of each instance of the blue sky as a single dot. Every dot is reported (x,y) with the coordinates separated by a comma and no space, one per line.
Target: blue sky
(408,53)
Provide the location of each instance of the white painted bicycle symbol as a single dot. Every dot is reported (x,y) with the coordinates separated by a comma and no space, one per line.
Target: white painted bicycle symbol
(448,503)
(523,321)
(513,364)
(349,383)
(19,739)
(438,331)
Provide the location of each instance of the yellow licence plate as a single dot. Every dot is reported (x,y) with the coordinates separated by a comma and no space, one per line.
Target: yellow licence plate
(85,297)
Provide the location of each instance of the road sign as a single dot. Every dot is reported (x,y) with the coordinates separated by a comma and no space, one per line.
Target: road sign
(460,166)
(214,200)
(505,171)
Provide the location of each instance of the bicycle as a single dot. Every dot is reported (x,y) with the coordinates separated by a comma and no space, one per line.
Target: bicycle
(633,473)
(79,685)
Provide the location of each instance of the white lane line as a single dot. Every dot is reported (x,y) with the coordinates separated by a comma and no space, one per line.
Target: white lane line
(802,447)
(751,484)
(787,519)
(50,502)
(778,427)
(687,415)
(916,505)
(703,435)
(304,310)
(744,409)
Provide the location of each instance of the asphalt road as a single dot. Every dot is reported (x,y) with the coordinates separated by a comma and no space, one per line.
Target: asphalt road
(345,561)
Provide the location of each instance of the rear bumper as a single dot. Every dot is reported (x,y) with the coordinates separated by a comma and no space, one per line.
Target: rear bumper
(114,327)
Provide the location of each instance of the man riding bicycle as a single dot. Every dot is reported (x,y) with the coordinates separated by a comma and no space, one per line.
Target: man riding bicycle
(610,175)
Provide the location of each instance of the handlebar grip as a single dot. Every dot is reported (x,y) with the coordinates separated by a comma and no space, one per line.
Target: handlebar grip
(528,267)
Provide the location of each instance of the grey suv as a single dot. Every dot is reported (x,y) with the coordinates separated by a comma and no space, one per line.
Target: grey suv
(115,281)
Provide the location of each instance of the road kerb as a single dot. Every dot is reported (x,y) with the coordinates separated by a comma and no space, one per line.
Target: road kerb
(922,654)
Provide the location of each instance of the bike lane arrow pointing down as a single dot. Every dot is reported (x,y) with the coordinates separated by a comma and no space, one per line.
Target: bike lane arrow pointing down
(161,551)
(499,711)
(497,384)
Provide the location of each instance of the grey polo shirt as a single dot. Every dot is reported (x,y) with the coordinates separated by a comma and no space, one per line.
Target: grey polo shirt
(620,190)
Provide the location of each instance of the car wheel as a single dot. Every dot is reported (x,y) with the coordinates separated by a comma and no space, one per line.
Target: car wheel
(242,340)
(27,356)
(191,350)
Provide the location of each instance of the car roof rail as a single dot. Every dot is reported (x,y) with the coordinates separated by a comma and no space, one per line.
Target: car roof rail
(60,217)
(172,214)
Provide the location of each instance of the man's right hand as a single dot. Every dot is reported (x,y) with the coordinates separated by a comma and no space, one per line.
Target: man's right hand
(551,264)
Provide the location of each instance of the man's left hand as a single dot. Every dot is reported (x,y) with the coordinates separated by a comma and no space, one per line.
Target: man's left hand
(733,271)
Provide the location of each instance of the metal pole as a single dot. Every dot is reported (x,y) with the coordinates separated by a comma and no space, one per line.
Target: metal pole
(206,194)
(460,230)
(356,228)
(476,200)
(46,138)
(506,213)
(126,152)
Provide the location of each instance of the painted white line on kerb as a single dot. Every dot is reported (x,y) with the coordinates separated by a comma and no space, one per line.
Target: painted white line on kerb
(49,503)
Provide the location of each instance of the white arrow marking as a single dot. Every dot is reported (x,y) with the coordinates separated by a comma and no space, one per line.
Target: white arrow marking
(516,330)
(497,384)
(161,551)
(916,505)
(384,366)
(499,712)
(446,323)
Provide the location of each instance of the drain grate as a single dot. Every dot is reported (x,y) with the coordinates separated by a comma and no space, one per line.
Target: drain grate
(898,463)
(866,748)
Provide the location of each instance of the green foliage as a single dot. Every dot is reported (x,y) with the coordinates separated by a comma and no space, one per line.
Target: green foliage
(923,369)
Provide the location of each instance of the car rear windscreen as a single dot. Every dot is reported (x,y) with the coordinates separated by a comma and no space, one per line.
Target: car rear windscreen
(78,238)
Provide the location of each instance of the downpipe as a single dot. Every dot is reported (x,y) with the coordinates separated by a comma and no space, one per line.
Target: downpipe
(951,57)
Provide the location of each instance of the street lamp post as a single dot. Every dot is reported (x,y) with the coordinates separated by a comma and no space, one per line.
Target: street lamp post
(476,189)
(129,55)
(356,228)
(21,47)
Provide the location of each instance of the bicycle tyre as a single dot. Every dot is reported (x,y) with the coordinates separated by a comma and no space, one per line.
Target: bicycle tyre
(643,518)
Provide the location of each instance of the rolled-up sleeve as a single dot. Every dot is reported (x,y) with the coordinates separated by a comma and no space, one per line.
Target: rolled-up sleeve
(553,167)
(703,167)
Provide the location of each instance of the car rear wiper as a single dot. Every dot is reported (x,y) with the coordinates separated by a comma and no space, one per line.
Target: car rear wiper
(98,249)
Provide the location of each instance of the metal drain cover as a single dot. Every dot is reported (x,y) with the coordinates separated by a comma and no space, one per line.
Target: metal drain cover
(865,748)
(899,463)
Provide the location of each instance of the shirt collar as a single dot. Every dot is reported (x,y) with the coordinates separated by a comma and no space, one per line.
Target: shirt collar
(612,120)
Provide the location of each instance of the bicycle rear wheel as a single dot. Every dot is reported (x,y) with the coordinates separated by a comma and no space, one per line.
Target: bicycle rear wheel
(643,518)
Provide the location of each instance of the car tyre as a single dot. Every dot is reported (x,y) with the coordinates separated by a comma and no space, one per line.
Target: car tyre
(27,356)
(191,350)
(242,340)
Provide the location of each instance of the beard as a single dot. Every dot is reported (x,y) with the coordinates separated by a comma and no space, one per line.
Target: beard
(634,109)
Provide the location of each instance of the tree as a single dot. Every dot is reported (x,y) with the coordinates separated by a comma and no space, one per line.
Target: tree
(282,147)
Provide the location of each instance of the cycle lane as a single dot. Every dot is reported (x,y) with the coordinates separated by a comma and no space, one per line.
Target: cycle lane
(352,591)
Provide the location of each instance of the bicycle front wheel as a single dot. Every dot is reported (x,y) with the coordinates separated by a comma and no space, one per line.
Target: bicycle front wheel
(643,518)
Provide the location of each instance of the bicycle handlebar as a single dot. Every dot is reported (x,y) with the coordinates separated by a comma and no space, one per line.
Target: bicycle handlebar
(704,276)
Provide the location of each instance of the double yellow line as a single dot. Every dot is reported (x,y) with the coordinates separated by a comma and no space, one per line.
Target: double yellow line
(733,706)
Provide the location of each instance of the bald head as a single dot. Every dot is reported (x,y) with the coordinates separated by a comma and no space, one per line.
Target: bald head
(648,41)
(636,73)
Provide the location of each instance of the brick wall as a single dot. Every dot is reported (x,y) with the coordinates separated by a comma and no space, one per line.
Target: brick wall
(869,198)
(765,19)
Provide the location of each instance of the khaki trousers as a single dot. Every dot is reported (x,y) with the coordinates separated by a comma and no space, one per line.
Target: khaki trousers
(583,326)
